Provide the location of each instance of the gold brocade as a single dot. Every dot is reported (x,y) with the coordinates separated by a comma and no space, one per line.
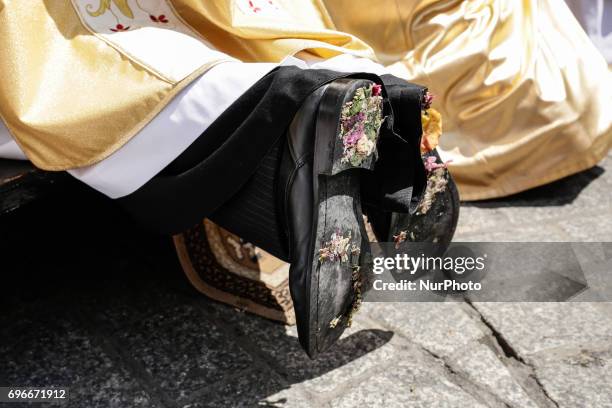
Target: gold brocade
(292,27)
(526,98)
(70,98)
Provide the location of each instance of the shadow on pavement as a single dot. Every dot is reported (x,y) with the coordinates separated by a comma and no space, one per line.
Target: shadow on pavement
(93,302)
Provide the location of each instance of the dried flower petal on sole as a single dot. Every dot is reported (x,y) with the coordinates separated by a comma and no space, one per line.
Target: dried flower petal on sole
(360,123)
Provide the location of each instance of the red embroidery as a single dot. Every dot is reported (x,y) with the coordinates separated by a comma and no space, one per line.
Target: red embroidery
(159,19)
(119,27)
(253,7)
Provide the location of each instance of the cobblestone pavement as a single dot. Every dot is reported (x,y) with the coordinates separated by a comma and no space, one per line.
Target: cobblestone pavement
(92,303)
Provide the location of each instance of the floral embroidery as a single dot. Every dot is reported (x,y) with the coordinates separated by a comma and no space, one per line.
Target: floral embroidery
(260,7)
(359,124)
(120,27)
(338,248)
(105,5)
(126,11)
(253,7)
(159,19)
(150,34)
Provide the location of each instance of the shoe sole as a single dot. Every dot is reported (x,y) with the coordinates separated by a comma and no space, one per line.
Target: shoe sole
(438,224)
(337,209)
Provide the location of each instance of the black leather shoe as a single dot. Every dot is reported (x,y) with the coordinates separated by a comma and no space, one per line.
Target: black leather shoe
(434,218)
(427,212)
(320,193)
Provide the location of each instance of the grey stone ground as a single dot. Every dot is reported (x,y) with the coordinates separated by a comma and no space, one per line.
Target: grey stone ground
(139,336)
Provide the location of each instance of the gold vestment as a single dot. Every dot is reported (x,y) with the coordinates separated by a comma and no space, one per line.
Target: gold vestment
(79,78)
(525,96)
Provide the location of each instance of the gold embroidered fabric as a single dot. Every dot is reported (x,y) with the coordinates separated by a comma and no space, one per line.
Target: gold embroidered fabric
(79,78)
(526,98)
(268,31)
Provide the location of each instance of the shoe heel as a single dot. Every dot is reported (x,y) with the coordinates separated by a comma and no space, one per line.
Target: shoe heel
(340,240)
(348,111)
(436,216)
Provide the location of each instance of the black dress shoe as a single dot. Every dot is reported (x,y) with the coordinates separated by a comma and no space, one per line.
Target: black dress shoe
(429,210)
(433,220)
(329,143)
(303,205)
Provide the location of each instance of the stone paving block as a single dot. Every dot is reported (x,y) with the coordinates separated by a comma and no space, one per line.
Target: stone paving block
(120,302)
(482,366)
(442,328)
(151,334)
(182,350)
(346,363)
(56,351)
(415,381)
(359,349)
(113,389)
(577,377)
(555,212)
(590,227)
(551,232)
(250,389)
(542,217)
(532,327)
(473,219)
(50,353)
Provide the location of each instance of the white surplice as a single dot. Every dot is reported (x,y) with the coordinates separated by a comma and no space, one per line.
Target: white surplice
(180,123)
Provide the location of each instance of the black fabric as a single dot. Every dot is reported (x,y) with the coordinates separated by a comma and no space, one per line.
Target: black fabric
(227,154)
(223,159)
(253,212)
(399,179)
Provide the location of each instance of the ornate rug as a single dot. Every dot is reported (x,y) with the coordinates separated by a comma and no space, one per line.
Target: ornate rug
(225,268)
